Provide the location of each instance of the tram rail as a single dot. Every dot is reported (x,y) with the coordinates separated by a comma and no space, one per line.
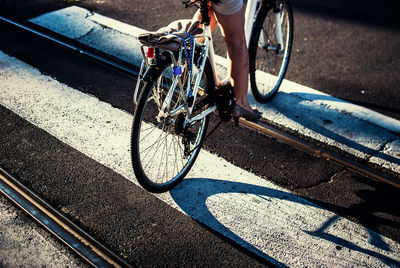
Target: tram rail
(77,239)
(91,250)
(264,127)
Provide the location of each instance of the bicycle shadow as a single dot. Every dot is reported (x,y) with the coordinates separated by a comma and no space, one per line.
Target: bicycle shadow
(191,196)
(314,114)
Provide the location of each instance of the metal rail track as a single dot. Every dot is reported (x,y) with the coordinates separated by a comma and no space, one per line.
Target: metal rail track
(57,224)
(318,152)
(77,239)
(80,49)
(262,128)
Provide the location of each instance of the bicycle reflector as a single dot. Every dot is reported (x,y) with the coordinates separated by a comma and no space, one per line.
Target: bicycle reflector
(150,52)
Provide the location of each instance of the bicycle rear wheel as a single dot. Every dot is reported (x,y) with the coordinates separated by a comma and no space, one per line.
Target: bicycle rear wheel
(269,61)
(164,150)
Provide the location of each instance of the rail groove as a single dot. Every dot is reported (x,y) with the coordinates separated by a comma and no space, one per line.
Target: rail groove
(73,45)
(57,224)
(320,152)
(262,128)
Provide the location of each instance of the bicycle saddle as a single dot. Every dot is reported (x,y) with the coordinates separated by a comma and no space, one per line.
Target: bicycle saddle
(171,36)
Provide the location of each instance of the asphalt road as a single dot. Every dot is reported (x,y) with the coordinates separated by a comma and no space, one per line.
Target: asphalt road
(344,49)
(347,49)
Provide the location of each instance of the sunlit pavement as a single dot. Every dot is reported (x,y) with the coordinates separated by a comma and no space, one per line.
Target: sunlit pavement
(238,192)
(366,134)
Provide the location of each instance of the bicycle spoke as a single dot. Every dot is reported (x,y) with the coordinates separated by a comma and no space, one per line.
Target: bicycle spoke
(180,149)
(151,145)
(158,142)
(161,160)
(163,150)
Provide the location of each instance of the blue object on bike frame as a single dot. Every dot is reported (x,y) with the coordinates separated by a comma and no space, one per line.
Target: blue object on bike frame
(177,70)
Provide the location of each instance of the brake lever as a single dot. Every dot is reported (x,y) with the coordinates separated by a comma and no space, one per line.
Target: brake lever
(189,3)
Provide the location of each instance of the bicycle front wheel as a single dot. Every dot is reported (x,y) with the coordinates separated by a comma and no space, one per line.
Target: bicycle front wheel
(269,57)
(163,146)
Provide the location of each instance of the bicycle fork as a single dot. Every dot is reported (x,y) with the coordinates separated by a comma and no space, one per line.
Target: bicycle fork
(278,17)
(278,26)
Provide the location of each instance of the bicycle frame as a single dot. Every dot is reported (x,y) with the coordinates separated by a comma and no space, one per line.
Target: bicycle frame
(250,15)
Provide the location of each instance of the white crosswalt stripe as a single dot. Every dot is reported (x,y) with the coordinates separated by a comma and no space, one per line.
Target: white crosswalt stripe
(359,131)
(272,222)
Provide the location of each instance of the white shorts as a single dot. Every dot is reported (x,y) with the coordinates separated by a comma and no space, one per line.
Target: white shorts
(228,7)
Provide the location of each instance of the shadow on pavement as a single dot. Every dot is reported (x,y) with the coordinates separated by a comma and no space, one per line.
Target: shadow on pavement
(333,124)
(377,209)
(202,188)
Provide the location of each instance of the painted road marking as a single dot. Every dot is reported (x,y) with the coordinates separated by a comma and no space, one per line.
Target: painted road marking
(351,128)
(264,218)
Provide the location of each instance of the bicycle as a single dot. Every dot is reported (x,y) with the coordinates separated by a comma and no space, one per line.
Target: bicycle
(177,91)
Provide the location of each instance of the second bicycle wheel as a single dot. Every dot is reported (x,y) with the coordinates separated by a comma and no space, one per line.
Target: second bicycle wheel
(269,59)
(164,149)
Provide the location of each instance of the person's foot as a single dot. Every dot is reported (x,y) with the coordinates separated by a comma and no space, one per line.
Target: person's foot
(245,105)
(250,115)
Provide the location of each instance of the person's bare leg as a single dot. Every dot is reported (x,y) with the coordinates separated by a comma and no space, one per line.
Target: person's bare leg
(234,36)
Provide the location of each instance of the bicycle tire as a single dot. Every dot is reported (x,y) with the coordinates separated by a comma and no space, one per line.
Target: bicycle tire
(147,165)
(267,66)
